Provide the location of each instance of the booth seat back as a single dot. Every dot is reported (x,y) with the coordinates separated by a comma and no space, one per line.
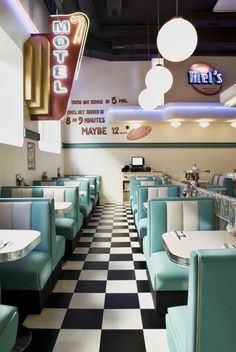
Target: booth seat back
(221,181)
(83,185)
(147,183)
(211,308)
(94,180)
(133,179)
(44,183)
(159,191)
(60,194)
(31,214)
(177,214)
(215,179)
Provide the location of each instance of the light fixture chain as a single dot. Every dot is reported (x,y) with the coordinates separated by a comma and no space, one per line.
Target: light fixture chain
(177,8)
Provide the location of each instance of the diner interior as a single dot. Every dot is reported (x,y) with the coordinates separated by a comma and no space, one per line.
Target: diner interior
(118,175)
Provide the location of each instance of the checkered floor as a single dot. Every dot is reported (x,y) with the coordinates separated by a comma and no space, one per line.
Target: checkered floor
(102,302)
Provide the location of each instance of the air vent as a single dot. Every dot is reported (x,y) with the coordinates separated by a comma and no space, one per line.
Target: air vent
(114,8)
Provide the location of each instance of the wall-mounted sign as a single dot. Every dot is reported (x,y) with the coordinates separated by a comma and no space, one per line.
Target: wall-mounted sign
(205,79)
(61,63)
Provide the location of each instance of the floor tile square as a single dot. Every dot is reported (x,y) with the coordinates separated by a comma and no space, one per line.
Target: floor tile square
(87,231)
(49,318)
(72,265)
(121,300)
(121,286)
(83,319)
(93,275)
(145,300)
(95,265)
(102,235)
(86,239)
(143,286)
(65,286)
(121,265)
(100,245)
(141,274)
(151,320)
(79,250)
(99,250)
(120,230)
(136,250)
(78,257)
(70,274)
(135,244)
(140,264)
(87,300)
(154,338)
(121,250)
(121,244)
(97,257)
(120,239)
(84,244)
(71,340)
(91,286)
(121,235)
(121,275)
(43,340)
(122,341)
(138,257)
(103,230)
(58,300)
(101,239)
(120,257)
(121,319)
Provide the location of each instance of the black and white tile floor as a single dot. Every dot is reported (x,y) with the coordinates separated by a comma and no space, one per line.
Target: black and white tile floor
(102,302)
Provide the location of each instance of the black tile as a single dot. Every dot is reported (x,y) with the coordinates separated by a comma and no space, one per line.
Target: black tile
(134,239)
(78,257)
(84,244)
(118,257)
(143,286)
(120,221)
(120,227)
(42,340)
(104,217)
(83,319)
(120,234)
(151,320)
(103,230)
(99,250)
(59,300)
(91,286)
(95,265)
(120,244)
(94,226)
(121,300)
(140,265)
(105,223)
(122,340)
(121,275)
(136,250)
(132,230)
(86,234)
(70,274)
(102,239)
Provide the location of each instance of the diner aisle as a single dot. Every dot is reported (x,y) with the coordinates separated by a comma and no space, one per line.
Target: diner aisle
(102,302)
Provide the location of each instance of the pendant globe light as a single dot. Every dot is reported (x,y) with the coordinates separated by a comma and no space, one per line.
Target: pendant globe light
(159,77)
(149,99)
(177,39)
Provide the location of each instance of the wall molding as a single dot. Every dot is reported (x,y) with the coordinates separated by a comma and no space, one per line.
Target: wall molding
(149,145)
(31,134)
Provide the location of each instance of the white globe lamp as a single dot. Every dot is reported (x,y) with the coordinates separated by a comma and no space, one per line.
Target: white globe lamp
(177,39)
(159,77)
(149,99)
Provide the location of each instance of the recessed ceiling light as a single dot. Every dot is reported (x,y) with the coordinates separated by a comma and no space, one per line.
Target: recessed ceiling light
(176,124)
(204,124)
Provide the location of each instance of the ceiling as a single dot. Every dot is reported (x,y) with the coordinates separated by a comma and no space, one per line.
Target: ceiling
(126,30)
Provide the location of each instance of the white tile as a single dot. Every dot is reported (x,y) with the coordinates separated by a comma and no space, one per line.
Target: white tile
(78,340)
(121,250)
(141,274)
(88,231)
(93,223)
(50,318)
(93,275)
(85,239)
(97,257)
(145,300)
(121,286)
(122,319)
(133,234)
(154,338)
(81,250)
(138,257)
(73,265)
(87,301)
(117,223)
(120,231)
(65,286)
(106,221)
(108,227)
(135,244)
(133,227)
(121,265)
(120,239)
(100,234)
(100,245)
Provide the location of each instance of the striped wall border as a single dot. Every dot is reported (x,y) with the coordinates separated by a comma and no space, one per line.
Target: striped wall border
(147,145)
(31,135)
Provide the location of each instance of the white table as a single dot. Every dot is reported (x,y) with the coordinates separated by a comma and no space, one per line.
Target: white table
(179,247)
(15,244)
(62,207)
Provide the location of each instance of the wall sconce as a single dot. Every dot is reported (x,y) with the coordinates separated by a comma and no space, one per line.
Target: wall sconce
(175,124)
(204,124)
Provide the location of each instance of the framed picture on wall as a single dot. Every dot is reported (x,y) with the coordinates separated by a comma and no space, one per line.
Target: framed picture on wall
(31,155)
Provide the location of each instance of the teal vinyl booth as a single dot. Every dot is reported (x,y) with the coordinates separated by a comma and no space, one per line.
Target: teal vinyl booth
(222,183)
(95,185)
(149,192)
(133,180)
(67,225)
(136,184)
(169,281)
(8,327)
(207,322)
(27,282)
